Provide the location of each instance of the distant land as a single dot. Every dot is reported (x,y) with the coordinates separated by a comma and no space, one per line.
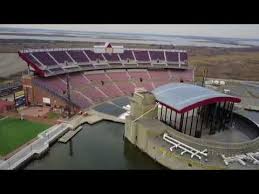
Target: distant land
(179,40)
(228,58)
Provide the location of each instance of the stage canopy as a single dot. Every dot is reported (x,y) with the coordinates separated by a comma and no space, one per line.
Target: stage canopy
(184,97)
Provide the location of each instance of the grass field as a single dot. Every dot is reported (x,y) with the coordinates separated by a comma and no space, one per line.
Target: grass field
(52,115)
(15,132)
(232,65)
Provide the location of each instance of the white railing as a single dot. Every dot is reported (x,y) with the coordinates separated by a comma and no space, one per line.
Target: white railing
(184,147)
(37,146)
(252,157)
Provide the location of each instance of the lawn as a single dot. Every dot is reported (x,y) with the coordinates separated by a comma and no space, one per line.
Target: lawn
(53,115)
(15,132)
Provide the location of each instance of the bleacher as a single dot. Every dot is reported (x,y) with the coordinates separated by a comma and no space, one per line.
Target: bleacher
(111,57)
(94,56)
(51,62)
(127,55)
(171,56)
(78,56)
(137,75)
(96,76)
(60,56)
(44,58)
(157,55)
(94,87)
(141,55)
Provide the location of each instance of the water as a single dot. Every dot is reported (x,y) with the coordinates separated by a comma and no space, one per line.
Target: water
(59,35)
(97,147)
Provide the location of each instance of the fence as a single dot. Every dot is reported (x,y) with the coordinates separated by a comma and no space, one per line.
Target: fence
(36,147)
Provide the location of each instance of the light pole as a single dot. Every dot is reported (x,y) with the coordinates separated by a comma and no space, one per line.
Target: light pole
(68,93)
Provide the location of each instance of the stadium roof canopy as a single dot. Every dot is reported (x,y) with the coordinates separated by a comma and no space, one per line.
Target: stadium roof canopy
(184,97)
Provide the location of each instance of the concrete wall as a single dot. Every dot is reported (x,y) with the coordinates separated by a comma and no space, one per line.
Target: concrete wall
(147,134)
(35,95)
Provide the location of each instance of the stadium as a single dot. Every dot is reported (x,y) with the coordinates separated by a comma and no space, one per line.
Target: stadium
(167,116)
(97,74)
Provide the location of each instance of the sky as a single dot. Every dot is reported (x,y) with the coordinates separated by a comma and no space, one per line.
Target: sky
(211,30)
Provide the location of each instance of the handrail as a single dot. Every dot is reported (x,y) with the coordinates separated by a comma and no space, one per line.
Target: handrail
(184,147)
(36,146)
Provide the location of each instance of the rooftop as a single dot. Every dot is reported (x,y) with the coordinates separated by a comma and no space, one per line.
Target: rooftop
(184,97)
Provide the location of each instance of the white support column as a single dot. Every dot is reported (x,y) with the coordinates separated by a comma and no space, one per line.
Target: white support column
(70,57)
(37,60)
(149,57)
(134,57)
(165,58)
(86,56)
(179,61)
(52,58)
(120,60)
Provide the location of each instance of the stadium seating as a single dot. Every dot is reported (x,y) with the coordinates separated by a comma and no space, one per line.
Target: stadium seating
(126,55)
(137,75)
(110,90)
(171,56)
(159,75)
(141,55)
(94,56)
(111,57)
(94,94)
(80,100)
(157,55)
(118,76)
(183,56)
(78,56)
(31,59)
(126,87)
(97,77)
(78,80)
(44,58)
(87,88)
(60,56)
(84,59)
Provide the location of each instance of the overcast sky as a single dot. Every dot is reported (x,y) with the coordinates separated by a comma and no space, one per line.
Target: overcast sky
(220,30)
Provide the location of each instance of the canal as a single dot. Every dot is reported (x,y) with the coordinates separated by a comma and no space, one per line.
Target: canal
(95,147)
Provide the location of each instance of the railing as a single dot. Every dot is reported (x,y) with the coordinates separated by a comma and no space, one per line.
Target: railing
(38,146)
(184,147)
(251,157)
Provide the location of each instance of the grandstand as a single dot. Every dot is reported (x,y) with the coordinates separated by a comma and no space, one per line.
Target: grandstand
(95,77)
(49,62)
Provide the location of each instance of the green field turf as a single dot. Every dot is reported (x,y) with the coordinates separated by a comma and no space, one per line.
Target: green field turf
(16,132)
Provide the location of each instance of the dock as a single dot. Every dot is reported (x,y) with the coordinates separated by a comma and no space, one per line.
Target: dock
(71,133)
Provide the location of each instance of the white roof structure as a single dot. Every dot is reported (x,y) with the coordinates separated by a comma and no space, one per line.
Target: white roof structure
(184,97)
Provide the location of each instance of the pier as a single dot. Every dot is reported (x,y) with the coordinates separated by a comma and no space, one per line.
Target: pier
(71,133)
